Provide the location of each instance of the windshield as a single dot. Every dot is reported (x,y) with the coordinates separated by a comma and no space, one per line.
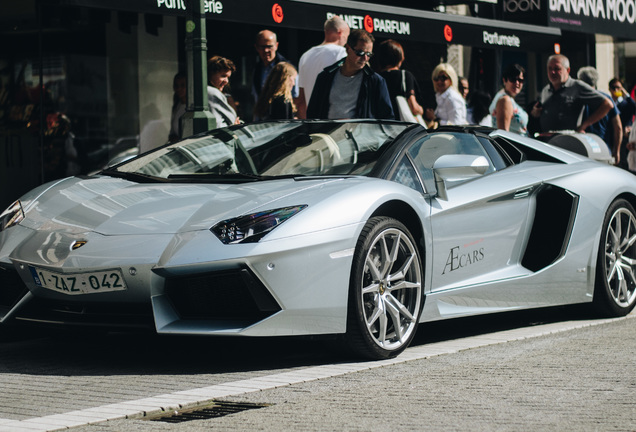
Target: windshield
(265,150)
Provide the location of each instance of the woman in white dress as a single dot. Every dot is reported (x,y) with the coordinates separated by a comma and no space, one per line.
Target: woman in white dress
(451,106)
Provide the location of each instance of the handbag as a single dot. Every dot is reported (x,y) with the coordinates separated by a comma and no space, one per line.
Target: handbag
(403,106)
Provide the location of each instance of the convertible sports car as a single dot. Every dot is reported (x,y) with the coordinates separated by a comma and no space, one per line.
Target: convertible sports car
(361,229)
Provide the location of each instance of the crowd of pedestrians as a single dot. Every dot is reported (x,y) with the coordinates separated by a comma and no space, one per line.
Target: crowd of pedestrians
(336,80)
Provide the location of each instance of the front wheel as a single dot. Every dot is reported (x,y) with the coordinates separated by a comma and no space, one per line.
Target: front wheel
(385,293)
(615,290)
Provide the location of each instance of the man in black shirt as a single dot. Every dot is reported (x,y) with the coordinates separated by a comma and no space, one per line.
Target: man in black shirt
(563,100)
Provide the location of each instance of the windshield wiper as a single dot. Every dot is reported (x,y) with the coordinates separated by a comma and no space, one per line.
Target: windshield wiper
(133,176)
(229,178)
(327,176)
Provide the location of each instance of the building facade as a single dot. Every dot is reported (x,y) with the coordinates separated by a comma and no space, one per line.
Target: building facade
(83,81)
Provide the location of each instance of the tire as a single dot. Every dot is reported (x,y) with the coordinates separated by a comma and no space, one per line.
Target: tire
(385,290)
(615,288)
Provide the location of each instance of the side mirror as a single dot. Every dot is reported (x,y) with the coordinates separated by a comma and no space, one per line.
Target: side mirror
(454,168)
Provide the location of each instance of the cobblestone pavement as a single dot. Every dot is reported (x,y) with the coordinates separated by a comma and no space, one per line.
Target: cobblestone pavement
(544,378)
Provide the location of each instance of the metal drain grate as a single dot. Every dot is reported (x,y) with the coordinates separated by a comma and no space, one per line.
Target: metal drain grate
(216,409)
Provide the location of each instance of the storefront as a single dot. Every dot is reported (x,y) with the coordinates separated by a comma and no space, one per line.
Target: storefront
(595,32)
(83,80)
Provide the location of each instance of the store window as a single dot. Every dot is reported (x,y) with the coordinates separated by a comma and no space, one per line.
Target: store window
(78,89)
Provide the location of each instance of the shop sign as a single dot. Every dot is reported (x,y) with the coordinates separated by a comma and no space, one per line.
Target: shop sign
(501,40)
(611,17)
(425,26)
(160,7)
(525,11)
(379,25)
(441,29)
(211,6)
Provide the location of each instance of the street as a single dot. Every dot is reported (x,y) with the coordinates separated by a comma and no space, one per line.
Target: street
(552,369)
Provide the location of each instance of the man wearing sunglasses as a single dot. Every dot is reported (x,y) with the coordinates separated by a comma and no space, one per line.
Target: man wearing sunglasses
(349,88)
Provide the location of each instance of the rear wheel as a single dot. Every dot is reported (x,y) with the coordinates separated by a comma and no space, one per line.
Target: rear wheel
(615,290)
(385,293)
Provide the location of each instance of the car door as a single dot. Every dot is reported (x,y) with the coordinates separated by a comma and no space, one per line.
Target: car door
(479,230)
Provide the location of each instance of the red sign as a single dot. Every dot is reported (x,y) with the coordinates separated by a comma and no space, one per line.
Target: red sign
(368,23)
(448,33)
(277,13)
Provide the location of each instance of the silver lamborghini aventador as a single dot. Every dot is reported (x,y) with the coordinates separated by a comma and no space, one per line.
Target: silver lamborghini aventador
(360,229)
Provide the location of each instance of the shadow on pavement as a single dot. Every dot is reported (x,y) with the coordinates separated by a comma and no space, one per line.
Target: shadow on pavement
(78,354)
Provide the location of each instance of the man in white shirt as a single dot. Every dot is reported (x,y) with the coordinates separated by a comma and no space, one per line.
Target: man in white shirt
(319,57)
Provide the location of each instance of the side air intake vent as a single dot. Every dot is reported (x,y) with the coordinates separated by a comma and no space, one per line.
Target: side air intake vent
(552,227)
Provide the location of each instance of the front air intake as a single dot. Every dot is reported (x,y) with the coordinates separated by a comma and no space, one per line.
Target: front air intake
(12,289)
(235,295)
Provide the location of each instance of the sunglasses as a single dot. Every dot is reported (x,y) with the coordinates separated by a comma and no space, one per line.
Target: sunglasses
(441,78)
(519,80)
(361,53)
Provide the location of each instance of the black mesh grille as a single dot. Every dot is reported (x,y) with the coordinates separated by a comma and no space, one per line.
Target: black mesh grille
(228,295)
(12,289)
(71,312)
(106,315)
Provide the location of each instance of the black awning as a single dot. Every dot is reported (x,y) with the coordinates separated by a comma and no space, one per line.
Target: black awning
(382,21)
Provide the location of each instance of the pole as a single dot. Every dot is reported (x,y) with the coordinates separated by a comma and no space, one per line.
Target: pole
(197,118)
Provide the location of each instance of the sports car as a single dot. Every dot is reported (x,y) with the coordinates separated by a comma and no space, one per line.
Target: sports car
(357,229)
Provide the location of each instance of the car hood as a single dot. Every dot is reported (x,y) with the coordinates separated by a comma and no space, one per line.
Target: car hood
(111,206)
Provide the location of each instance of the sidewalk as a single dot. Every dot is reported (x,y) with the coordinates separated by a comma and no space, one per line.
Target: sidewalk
(573,375)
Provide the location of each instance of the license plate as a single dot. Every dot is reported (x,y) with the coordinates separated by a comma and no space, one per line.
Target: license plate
(79,283)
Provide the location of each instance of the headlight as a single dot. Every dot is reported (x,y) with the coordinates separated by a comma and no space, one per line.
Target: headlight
(251,228)
(11,216)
